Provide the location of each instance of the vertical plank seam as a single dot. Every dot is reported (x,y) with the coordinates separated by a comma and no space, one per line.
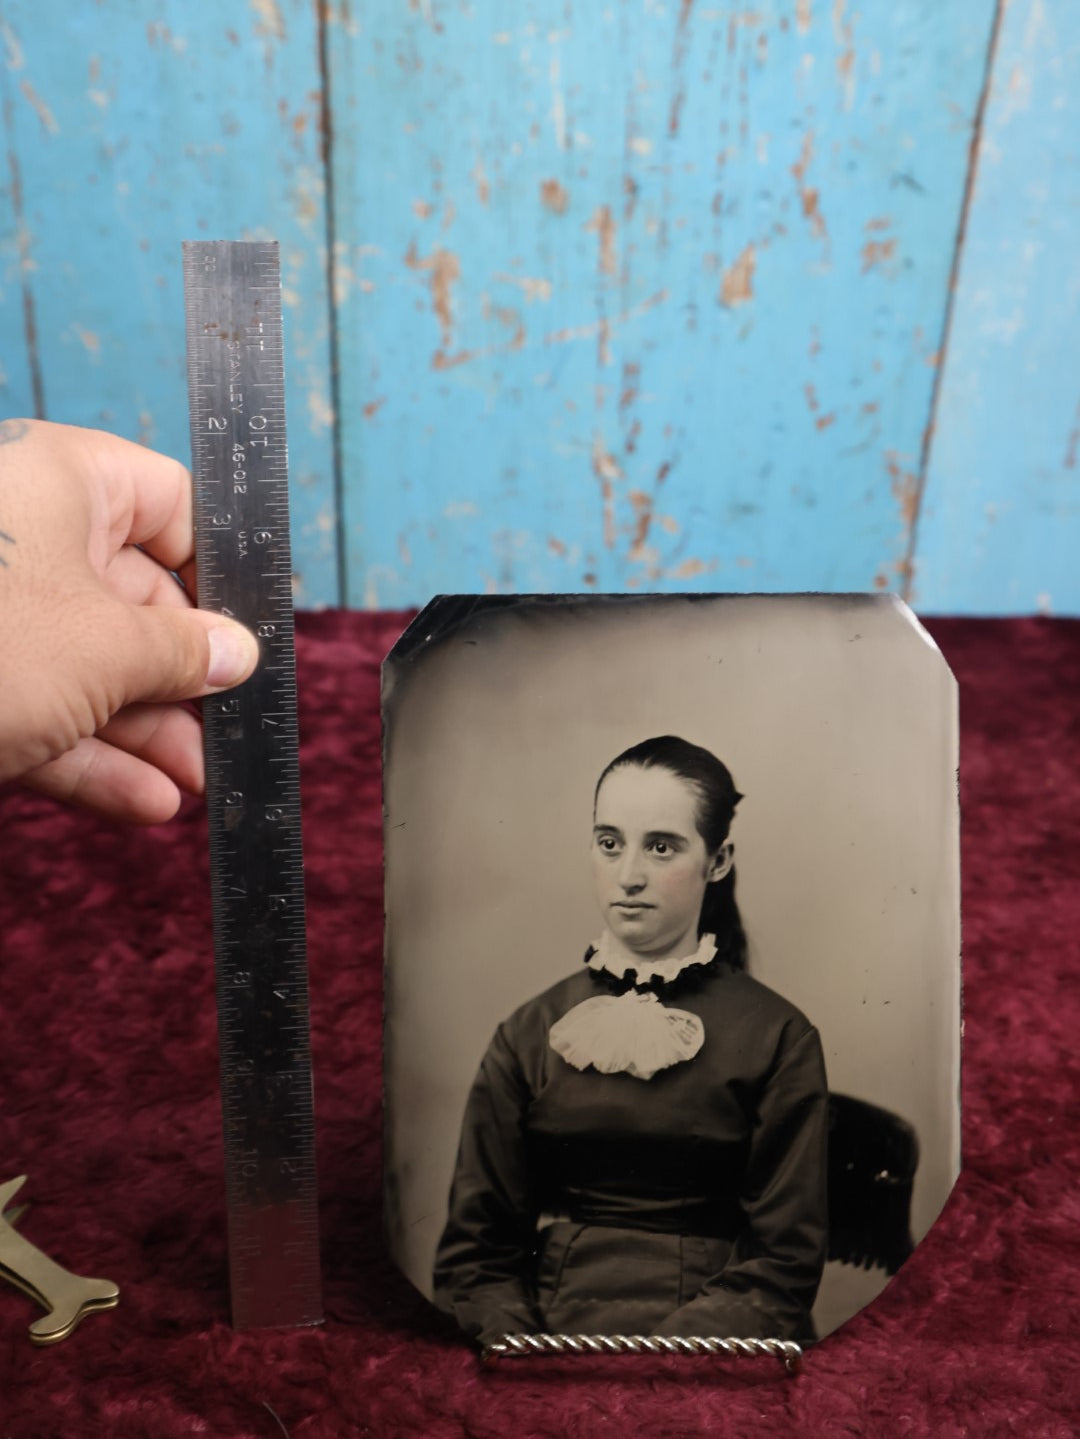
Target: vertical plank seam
(907,568)
(22,239)
(326,123)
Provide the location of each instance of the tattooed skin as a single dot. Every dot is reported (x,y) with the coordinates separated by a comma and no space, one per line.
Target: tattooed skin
(12,430)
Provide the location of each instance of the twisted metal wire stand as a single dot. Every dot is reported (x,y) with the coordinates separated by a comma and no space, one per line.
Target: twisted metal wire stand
(509,1346)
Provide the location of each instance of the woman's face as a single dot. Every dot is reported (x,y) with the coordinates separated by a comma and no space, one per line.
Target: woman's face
(650,864)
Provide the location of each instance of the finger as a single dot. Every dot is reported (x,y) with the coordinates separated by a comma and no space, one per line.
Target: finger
(159,653)
(133,576)
(187,577)
(146,496)
(97,776)
(169,737)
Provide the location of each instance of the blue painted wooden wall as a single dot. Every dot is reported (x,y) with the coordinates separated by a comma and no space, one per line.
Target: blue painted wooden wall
(625,294)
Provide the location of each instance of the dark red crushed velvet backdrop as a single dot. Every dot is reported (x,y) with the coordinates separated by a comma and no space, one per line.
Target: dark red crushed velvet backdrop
(108,1101)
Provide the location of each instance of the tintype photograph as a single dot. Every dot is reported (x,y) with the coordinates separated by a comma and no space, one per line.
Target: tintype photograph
(672,1022)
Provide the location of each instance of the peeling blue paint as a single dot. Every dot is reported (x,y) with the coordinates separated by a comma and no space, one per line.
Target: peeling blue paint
(614,250)
(1001,512)
(136,127)
(628,296)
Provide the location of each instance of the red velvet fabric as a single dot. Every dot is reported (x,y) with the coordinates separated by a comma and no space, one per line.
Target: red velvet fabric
(108,1100)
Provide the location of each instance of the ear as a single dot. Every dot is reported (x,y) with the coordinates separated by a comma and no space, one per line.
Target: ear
(721,865)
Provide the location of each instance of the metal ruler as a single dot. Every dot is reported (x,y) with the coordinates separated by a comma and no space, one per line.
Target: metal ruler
(236,392)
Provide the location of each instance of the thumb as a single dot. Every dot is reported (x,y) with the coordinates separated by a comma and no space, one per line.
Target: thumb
(179,654)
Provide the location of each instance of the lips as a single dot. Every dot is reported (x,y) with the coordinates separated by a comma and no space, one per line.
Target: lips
(630,905)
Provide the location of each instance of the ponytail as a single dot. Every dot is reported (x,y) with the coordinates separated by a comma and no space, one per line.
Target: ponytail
(720,916)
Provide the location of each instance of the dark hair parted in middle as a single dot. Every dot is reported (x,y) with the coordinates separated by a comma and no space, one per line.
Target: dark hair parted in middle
(716,798)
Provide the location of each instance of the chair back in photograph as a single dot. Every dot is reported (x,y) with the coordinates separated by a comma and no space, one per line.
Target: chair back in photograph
(873,1156)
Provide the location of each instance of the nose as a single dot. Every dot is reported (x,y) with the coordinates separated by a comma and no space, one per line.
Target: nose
(631,871)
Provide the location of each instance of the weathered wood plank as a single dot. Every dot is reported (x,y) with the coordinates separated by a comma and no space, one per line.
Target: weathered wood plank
(21,384)
(134,126)
(1001,508)
(642,295)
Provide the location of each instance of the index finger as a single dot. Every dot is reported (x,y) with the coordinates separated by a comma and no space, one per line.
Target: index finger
(146,499)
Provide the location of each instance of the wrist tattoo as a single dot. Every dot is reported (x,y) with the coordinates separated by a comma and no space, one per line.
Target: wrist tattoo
(12,430)
(5,540)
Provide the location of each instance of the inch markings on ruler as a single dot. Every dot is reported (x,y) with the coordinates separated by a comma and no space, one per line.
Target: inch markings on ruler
(232,302)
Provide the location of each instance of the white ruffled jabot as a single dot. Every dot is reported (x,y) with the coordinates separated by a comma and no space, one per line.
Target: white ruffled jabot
(631,1033)
(628,1033)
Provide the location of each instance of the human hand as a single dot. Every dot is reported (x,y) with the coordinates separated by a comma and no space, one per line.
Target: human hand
(99,644)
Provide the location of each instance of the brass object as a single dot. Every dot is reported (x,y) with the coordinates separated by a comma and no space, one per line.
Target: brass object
(519,1345)
(67,1298)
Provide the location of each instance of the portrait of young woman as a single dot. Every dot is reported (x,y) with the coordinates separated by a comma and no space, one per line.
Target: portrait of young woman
(663,875)
(643,1150)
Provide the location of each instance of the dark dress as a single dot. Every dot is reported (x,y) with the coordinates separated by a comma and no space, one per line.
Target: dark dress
(690,1203)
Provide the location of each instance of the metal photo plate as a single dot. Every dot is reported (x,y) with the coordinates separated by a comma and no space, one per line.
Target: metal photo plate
(672,1040)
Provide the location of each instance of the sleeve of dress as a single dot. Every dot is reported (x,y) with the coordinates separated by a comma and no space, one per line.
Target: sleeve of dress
(484,1262)
(767,1287)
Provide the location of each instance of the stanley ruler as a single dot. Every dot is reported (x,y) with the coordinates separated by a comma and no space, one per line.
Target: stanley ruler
(236,392)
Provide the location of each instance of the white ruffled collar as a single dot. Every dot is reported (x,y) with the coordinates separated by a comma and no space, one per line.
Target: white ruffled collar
(605,957)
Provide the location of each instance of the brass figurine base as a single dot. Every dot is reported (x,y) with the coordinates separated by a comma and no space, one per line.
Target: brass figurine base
(67,1298)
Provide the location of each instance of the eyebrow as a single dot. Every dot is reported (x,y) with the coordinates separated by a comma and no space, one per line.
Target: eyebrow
(670,835)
